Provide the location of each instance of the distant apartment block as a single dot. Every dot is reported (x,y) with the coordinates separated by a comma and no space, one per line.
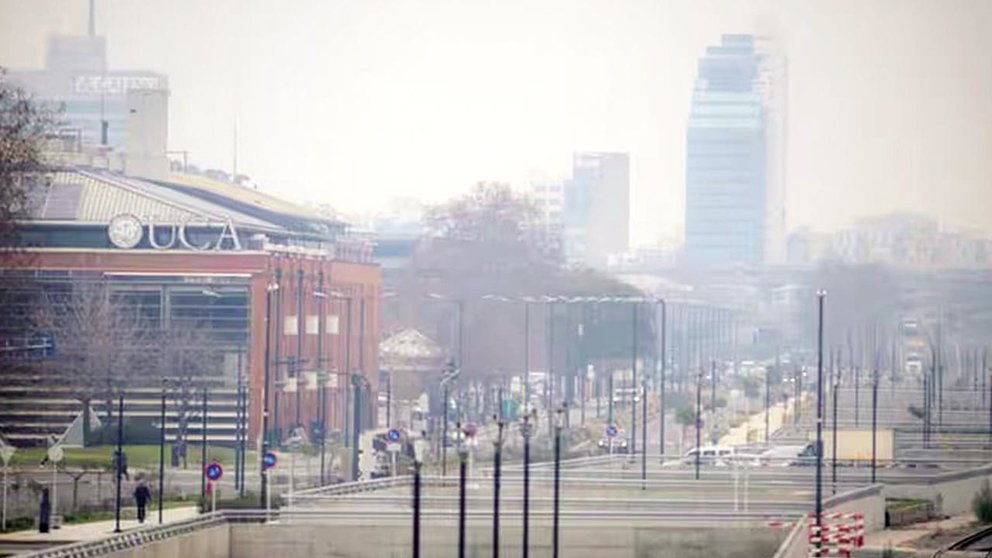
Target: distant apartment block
(596,213)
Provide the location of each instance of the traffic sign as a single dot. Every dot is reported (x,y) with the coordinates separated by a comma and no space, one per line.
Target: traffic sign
(611,431)
(6,452)
(214,471)
(56,453)
(393,447)
(269,460)
(393,435)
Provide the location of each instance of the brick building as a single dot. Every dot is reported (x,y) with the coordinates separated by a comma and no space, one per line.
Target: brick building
(243,274)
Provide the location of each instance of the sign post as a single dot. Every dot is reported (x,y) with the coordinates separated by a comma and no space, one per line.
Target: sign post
(55,454)
(393,446)
(611,434)
(213,472)
(269,461)
(6,453)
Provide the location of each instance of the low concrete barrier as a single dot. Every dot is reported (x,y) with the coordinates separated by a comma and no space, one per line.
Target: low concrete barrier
(951,492)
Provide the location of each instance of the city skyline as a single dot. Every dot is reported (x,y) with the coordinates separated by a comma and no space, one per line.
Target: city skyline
(909,163)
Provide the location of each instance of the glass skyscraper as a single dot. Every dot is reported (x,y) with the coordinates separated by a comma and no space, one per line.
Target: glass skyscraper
(733,156)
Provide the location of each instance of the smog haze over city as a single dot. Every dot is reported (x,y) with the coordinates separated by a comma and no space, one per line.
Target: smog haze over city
(365,278)
(355,103)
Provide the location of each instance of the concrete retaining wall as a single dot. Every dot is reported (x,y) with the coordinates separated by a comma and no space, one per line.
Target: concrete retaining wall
(212,542)
(953,491)
(869,500)
(440,539)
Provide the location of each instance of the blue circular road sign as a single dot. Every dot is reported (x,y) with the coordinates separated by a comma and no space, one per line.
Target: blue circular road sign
(269,460)
(214,471)
(611,431)
(393,435)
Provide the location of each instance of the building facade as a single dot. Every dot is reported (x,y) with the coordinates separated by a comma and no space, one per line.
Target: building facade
(596,213)
(93,97)
(734,159)
(269,297)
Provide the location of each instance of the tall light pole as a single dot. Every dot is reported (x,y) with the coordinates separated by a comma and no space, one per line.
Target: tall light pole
(820,295)
(699,418)
(633,381)
(661,382)
(497,465)
(418,462)
(266,391)
(833,438)
(298,360)
(120,461)
(462,473)
(322,375)
(526,430)
(161,451)
(557,483)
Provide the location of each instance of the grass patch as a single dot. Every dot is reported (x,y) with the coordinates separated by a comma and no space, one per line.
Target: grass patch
(901,503)
(18,524)
(139,456)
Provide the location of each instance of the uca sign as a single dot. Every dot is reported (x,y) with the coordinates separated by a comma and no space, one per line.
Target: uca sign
(126,231)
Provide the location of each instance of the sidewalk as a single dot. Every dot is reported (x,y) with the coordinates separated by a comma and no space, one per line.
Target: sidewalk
(88,531)
(738,435)
(897,538)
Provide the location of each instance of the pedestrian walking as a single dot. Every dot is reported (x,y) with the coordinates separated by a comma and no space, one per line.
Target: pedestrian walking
(142,495)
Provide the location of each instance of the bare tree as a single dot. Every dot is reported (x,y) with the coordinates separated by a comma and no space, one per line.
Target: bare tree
(102,344)
(188,361)
(492,242)
(24,127)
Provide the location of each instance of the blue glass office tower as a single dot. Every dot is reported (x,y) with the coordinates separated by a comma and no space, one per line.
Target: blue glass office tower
(733,179)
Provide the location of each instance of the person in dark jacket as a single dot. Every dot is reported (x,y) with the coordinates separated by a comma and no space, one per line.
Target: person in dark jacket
(142,495)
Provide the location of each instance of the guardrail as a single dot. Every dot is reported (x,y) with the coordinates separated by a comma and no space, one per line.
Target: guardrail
(131,539)
(148,535)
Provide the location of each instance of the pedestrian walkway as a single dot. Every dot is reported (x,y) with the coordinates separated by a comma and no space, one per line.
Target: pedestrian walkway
(756,422)
(88,531)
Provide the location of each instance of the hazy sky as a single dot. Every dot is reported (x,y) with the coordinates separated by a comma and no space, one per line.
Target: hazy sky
(354,102)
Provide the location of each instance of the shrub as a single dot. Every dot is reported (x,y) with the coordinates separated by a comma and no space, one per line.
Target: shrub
(981,504)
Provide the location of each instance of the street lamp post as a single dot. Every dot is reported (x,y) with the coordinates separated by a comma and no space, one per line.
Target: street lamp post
(322,376)
(203,449)
(699,418)
(874,423)
(820,295)
(557,486)
(418,462)
(161,452)
(356,381)
(266,390)
(497,465)
(661,382)
(462,471)
(833,438)
(120,462)
(526,430)
(633,382)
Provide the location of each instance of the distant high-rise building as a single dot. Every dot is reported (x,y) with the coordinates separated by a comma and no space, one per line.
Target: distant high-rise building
(95,98)
(549,199)
(596,213)
(734,156)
